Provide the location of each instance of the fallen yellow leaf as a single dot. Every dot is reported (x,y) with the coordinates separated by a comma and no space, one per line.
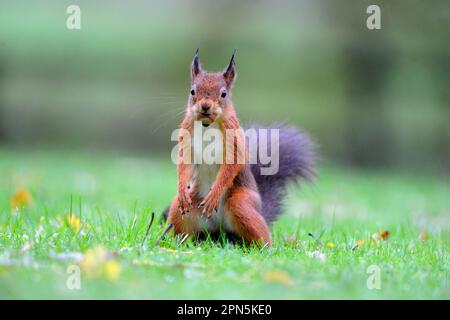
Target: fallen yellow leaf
(423,235)
(329,245)
(74,222)
(99,262)
(93,260)
(384,234)
(112,270)
(381,235)
(20,199)
(174,251)
(278,277)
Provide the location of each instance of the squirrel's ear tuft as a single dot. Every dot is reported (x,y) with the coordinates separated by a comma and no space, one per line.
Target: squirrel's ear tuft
(230,72)
(195,67)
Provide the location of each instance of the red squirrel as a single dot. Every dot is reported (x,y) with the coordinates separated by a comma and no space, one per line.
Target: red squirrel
(231,197)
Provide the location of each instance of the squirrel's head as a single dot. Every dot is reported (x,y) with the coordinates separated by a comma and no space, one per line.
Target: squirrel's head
(210,93)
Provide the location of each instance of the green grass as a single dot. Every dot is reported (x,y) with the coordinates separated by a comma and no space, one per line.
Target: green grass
(115,195)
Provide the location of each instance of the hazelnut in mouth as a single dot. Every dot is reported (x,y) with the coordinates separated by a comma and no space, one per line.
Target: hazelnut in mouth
(205,118)
(206,121)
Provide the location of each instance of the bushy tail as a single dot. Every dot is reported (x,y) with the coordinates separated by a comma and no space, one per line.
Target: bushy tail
(296,162)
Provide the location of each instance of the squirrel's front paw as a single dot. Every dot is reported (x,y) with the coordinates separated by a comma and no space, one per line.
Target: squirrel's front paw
(209,204)
(184,201)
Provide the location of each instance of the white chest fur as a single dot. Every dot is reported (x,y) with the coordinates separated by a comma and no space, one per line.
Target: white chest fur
(204,174)
(208,149)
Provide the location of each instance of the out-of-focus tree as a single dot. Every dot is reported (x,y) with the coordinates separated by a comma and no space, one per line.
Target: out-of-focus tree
(367,57)
(2,116)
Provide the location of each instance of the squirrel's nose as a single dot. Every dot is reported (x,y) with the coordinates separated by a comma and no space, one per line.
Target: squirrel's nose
(205,108)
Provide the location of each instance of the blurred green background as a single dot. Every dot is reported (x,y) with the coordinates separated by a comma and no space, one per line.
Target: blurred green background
(371,98)
(86,118)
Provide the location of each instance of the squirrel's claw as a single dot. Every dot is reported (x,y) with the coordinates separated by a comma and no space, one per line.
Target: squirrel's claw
(182,211)
(185,201)
(209,204)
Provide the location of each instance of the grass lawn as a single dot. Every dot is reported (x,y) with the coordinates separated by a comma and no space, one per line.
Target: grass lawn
(92,210)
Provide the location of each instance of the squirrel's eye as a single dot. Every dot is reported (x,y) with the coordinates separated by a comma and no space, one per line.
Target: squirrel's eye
(192,92)
(223,94)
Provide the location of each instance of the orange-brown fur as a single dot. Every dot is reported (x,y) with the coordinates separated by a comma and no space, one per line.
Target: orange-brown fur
(233,201)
